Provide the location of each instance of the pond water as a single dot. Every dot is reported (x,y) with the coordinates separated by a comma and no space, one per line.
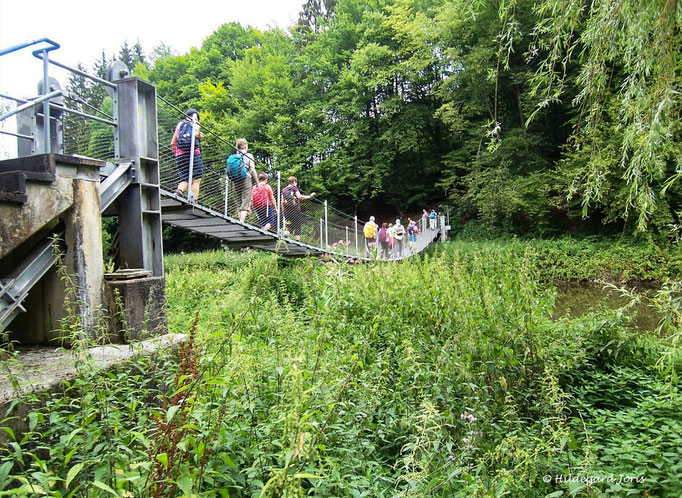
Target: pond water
(574,300)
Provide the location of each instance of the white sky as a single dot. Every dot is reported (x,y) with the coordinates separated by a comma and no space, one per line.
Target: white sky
(84,28)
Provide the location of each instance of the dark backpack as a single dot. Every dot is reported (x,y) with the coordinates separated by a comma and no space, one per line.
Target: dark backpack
(289,197)
(184,141)
(236,169)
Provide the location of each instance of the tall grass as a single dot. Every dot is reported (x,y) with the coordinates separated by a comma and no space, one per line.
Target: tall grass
(438,376)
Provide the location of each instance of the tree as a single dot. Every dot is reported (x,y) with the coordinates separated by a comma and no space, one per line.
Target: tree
(628,54)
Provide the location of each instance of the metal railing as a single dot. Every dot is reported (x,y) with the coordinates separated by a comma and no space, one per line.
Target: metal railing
(76,127)
(86,122)
(309,220)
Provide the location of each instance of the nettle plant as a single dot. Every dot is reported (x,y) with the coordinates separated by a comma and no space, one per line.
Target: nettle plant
(443,375)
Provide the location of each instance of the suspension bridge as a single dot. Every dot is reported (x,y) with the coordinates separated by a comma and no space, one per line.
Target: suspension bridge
(113,152)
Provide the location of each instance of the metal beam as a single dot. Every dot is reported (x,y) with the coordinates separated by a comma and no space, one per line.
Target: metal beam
(114,185)
(14,289)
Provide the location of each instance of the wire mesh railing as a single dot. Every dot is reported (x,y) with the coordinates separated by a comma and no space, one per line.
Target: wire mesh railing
(201,175)
(83,122)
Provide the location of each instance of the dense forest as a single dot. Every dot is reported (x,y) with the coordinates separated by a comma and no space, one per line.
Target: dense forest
(544,117)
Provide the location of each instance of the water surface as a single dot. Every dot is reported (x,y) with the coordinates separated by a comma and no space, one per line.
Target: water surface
(576,299)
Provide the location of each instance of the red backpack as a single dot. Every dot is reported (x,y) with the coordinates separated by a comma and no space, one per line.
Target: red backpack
(259,196)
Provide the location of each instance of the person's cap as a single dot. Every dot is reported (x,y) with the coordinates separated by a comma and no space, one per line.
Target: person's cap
(191,111)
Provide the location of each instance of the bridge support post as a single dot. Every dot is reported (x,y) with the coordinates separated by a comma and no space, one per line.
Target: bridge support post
(139,208)
(326,227)
(279,207)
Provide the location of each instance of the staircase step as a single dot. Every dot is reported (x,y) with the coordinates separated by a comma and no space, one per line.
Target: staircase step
(13,187)
(40,168)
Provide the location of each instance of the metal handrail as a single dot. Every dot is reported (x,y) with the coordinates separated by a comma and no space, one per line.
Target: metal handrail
(79,72)
(30,104)
(54,46)
(18,135)
(43,54)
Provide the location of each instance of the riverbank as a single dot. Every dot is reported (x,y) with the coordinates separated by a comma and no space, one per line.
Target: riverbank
(569,259)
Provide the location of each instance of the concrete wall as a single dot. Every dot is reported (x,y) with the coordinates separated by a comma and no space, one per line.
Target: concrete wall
(71,199)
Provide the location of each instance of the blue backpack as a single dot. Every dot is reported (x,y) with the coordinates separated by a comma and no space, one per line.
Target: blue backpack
(184,141)
(236,169)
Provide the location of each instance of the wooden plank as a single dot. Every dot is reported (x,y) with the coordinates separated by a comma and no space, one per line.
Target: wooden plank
(128,274)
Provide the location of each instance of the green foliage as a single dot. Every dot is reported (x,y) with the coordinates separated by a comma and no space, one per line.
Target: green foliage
(583,259)
(540,117)
(441,376)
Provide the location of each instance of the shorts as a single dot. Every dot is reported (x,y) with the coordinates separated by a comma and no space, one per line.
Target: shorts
(266,215)
(244,188)
(182,166)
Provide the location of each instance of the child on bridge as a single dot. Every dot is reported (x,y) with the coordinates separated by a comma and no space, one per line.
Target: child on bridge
(263,200)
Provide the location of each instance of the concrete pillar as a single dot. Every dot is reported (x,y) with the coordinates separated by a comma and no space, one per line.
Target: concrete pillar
(71,200)
(136,307)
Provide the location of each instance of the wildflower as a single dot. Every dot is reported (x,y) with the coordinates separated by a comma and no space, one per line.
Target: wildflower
(469,417)
(451,458)
(466,440)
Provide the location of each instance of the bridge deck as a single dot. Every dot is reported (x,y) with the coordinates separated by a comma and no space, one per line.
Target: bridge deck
(179,212)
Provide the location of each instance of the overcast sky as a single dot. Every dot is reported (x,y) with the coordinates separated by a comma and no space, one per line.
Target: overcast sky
(84,28)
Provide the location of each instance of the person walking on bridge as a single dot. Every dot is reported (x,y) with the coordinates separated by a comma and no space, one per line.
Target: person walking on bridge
(384,239)
(181,143)
(399,234)
(370,231)
(412,232)
(247,165)
(263,200)
(291,206)
(432,220)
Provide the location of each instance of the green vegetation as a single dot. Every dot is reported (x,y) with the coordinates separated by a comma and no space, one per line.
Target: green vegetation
(526,115)
(587,259)
(438,376)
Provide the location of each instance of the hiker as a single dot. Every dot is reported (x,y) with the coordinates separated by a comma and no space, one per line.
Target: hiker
(241,169)
(291,206)
(399,234)
(432,220)
(412,232)
(383,240)
(181,143)
(370,231)
(263,201)
(391,239)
